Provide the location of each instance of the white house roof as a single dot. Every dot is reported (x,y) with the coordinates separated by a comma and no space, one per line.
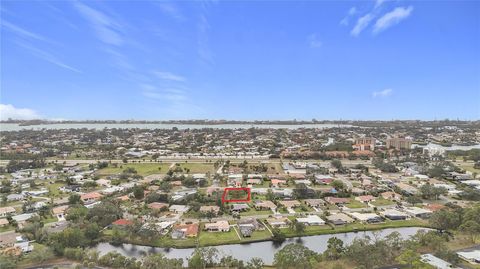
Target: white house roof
(470,255)
(436,262)
(364,216)
(311,219)
(417,210)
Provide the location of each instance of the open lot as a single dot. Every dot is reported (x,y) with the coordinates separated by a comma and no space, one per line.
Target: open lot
(143,169)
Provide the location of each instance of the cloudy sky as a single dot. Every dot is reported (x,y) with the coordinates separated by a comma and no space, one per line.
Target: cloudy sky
(240,59)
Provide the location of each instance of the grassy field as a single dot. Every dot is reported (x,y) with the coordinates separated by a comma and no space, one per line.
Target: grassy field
(143,169)
(198,167)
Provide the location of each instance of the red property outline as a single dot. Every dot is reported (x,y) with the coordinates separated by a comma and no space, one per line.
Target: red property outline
(224,200)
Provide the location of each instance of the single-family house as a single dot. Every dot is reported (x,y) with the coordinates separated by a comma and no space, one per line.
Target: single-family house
(265,205)
(218,226)
(122,223)
(323,179)
(311,220)
(280,222)
(239,207)
(3,222)
(179,208)
(22,218)
(365,198)
(235,180)
(336,200)
(435,207)
(314,203)
(436,262)
(210,208)
(5,211)
(390,195)
(408,189)
(418,212)
(60,212)
(290,203)
(470,256)
(180,231)
(254,181)
(157,205)
(276,183)
(15,197)
(393,214)
(91,197)
(367,217)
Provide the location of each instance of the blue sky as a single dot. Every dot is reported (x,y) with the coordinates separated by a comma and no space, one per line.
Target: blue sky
(240,59)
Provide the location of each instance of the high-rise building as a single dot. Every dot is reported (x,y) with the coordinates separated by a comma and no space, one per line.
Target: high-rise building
(399,143)
(364,143)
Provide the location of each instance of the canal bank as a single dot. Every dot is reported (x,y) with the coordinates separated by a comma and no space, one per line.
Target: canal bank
(264,249)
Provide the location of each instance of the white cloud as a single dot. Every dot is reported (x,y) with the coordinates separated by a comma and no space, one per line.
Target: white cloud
(361,24)
(384,93)
(169,76)
(379,3)
(8,111)
(22,32)
(352,11)
(314,41)
(203,48)
(171,10)
(105,27)
(47,57)
(392,18)
(174,95)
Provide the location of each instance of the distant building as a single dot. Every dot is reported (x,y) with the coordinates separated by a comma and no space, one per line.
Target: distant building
(364,143)
(399,143)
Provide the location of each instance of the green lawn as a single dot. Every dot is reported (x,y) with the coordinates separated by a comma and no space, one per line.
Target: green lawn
(53,188)
(258,235)
(253,212)
(167,241)
(7,228)
(143,169)
(382,202)
(355,204)
(218,238)
(469,167)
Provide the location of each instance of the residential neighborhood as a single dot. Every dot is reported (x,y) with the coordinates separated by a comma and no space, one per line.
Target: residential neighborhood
(171,194)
